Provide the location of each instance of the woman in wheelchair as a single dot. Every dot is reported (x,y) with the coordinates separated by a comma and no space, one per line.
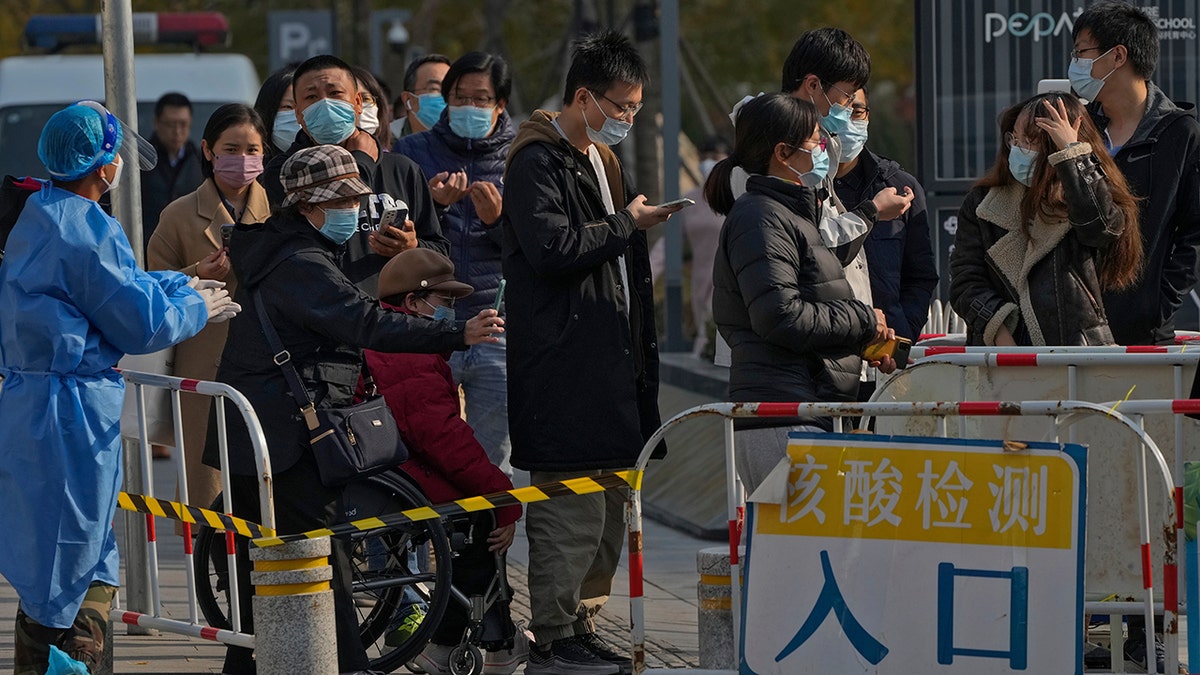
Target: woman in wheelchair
(448,463)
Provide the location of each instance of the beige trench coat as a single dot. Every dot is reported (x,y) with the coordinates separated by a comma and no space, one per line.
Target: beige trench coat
(188,231)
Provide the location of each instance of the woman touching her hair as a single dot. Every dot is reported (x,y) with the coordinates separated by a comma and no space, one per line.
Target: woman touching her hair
(1050,227)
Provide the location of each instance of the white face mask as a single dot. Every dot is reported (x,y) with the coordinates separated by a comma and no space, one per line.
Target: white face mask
(116,180)
(368,120)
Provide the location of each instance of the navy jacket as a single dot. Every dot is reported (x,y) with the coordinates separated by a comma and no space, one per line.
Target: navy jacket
(900,256)
(474,246)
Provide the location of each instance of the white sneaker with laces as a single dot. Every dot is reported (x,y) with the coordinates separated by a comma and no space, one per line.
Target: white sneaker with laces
(505,661)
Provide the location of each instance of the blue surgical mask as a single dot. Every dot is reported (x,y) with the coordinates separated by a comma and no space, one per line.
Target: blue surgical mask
(612,132)
(430,110)
(468,121)
(820,170)
(440,312)
(1021,164)
(853,140)
(1080,74)
(329,120)
(838,119)
(283,134)
(340,224)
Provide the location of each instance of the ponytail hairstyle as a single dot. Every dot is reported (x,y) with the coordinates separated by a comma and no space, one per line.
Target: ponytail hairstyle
(762,123)
(1120,264)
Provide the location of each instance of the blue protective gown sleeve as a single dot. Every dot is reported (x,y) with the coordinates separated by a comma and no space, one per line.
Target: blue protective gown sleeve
(72,302)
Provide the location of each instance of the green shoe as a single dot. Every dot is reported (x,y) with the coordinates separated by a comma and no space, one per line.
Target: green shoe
(406,627)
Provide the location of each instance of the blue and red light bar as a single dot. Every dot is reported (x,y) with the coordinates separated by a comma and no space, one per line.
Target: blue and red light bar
(53,32)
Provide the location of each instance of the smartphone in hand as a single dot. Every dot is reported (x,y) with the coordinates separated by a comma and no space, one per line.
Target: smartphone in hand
(226,233)
(394,216)
(897,348)
(499,295)
(677,203)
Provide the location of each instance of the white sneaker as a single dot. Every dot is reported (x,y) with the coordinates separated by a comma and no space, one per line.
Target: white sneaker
(434,659)
(505,661)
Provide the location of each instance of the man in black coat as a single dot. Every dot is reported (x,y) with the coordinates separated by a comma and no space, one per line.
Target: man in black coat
(177,172)
(582,352)
(1156,144)
(900,261)
(327,106)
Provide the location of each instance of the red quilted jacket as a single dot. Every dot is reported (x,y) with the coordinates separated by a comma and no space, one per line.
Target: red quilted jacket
(444,457)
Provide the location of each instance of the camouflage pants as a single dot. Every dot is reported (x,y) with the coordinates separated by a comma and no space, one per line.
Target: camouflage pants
(84,641)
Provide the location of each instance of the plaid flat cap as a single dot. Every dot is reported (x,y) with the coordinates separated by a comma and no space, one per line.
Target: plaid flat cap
(320,174)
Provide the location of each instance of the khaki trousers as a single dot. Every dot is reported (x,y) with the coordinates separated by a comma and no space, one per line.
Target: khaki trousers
(574,547)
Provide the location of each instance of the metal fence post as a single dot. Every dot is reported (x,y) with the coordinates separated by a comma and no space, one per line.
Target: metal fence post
(293,609)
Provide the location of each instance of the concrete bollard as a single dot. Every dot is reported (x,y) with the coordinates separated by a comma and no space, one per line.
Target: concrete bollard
(715,625)
(293,609)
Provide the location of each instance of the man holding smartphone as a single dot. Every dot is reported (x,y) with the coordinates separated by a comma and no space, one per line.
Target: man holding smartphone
(327,106)
(582,354)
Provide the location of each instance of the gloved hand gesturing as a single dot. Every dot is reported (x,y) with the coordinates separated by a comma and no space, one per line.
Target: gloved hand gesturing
(220,306)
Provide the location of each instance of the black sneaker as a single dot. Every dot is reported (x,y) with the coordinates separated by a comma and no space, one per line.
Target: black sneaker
(1096,657)
(568,656)
(1135,651)
(596,645)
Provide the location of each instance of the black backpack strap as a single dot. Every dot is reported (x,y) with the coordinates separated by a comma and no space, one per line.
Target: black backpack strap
(283,359)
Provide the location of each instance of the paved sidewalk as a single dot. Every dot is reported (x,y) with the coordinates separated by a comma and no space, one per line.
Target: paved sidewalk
(670,587)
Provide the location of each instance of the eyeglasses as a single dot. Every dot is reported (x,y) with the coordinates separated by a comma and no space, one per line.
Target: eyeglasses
(821,145)
(626,110)
(1012,141)
(1078,53)
(849,96)
(447,300)
(457,99)
(859,112)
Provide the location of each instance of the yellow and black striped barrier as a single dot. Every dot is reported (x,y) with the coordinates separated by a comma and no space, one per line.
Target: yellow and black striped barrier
(495,500)
(264,537)
(192,514)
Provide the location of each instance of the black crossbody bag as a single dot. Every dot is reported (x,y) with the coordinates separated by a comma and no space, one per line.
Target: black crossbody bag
(349,443)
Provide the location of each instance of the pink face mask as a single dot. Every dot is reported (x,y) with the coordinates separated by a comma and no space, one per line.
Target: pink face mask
(238,170)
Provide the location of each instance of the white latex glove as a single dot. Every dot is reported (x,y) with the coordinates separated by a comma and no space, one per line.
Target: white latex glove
(231,310)
(217,301)
(203,284)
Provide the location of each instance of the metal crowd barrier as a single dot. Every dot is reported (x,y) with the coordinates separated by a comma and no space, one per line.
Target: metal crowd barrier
(1064,415)
(154,619)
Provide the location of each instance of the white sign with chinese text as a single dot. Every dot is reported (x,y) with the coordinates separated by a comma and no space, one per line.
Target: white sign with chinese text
(901,555)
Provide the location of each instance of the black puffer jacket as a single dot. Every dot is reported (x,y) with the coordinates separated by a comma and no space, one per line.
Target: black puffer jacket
(782,302)
(582,365)
(322,319)
(1046,291)
(474,246)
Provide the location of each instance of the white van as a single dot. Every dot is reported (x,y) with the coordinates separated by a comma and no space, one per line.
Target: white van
(32,88)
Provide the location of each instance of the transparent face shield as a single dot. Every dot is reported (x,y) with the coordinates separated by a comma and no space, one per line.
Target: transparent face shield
(133,146)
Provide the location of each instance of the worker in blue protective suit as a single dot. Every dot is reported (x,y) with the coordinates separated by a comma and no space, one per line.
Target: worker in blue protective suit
(72,303)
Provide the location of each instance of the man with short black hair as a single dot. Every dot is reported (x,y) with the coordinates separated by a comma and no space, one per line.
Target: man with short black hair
(463,155)
(901,265)
(178,170)
(327,106)
(1156,144)
(421,102)
(582,351)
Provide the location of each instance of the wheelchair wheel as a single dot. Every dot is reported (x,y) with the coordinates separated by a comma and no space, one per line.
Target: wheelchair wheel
(401,573)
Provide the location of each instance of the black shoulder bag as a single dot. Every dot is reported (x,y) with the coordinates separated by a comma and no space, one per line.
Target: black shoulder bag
(349,443)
